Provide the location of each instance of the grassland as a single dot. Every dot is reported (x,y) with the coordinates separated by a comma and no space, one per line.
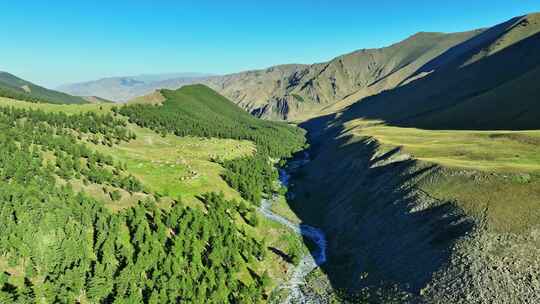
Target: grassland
(178,166)
(489,151)
(65,108)
(492,175)
(281,207)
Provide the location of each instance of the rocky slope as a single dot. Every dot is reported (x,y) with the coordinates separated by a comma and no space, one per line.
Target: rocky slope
(392,238)
(408,231)
(296,92)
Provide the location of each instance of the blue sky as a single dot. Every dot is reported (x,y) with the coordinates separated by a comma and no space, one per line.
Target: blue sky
(54,42)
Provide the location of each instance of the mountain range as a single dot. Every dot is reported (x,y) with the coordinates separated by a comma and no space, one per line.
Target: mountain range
(422,167)
(122,89)
(297,92)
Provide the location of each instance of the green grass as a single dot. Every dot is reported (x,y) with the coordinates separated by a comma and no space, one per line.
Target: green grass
(490,151)
(281,207)
(492,175)
(102,193)
(175,166)
(504,203)
(47,107)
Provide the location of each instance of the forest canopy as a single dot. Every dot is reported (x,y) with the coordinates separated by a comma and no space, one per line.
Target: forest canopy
(199,111)
(59,245)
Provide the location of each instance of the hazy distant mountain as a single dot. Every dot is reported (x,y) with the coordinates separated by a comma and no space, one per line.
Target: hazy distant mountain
(121,89)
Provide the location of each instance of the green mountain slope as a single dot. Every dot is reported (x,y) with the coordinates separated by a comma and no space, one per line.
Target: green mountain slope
(199,111)
(96,209)
(16,88)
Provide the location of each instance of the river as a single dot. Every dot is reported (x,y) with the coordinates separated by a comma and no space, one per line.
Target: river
(310,261)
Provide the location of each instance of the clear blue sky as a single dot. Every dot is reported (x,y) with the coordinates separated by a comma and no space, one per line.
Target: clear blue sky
(54,42)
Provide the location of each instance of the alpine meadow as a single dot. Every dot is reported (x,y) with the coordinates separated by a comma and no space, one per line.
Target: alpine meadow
(406,172)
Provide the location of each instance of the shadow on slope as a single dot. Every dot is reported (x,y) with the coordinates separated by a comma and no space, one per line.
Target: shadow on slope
(383,233)
(469,87)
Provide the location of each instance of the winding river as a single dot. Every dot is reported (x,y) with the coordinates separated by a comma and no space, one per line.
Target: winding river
(310,261)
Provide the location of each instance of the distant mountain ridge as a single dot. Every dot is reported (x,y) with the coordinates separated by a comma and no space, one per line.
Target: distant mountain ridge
(122,89)
(297,91)
(467,74)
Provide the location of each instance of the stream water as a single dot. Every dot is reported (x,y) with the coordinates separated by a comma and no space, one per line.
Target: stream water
(310,261)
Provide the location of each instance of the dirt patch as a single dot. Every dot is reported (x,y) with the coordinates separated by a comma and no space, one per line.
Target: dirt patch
(26,88)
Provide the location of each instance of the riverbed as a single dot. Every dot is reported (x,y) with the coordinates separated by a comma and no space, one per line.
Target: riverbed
(311,260)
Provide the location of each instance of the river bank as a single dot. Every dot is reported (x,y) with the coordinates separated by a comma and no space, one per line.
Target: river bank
(309,262)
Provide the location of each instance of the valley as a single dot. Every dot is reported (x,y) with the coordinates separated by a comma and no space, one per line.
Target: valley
(403,174)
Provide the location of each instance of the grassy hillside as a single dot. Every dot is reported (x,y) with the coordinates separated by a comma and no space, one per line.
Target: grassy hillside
(16,88)
(133,204)
(503,166)
(199,111)
(489,151)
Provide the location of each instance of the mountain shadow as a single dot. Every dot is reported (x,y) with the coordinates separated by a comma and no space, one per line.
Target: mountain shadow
(386,237)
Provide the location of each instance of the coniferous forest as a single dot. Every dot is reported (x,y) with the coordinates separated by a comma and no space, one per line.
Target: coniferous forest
(67,246)
(198,111)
